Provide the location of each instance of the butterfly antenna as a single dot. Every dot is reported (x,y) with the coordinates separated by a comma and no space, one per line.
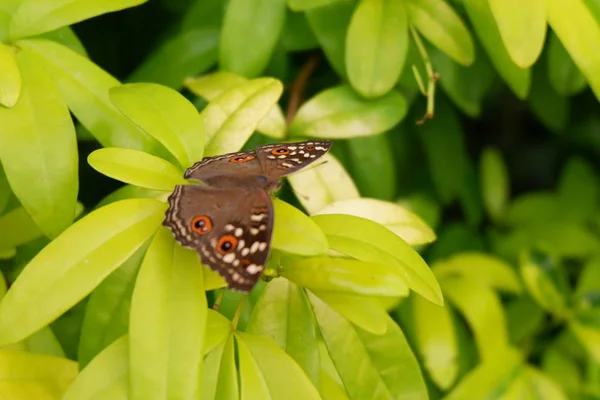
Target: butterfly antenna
(236,316)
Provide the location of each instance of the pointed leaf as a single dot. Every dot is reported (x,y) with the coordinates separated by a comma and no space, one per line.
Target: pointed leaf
(17,228)
(38,16)
(323,184)
(136,168)
(166,346)
(563,74)
(494,182)
(40,126)
(252,383)
(369,241)
(73,264)
(340,113)
(10,79)
(218,329)
(42,342)
(404,223)
(220,379)
(296,233)
(231,117)
(243,48)
(578,191)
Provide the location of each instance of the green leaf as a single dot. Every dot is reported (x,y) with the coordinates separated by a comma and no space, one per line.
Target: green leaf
(84,87)
(136,168)
(439,23)
(67,37)
(562,369)
(370,366)
(231,117)
(364,312)
(563,74)
(165,115)
(481,17)
(218,329)
(344,275)
(329,23)
(279,372)
(303,5)
(376,46)
(5,193)
(107,310)
(244,49)
(436,341)
(494,182)
(339,112)
(39,151)
(252,383)
(284,315)
(579,32)
(38,16)
(323,184)
(483,311)
(369,241)
(6,11)
(42,342)
(212,85)
(29,375)
(578,192)
(532,208)
(550,108)
(188,53)
(524,318)
(297,35)
(105,377)
(540,386)
(10,79)
(166,346)
(522,27)
(490,379)
(545,281)
(589,337)
(17,228)
(483,268)
(369,156)
(296,233)
(398,219)
(220,379)
(74,263)
(204,13)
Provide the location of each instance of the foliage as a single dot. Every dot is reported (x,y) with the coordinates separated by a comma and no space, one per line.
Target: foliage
(428,257)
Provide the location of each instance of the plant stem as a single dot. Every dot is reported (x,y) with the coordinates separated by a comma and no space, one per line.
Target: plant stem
(297,87)
(219,299)
(431,75)
(238,311)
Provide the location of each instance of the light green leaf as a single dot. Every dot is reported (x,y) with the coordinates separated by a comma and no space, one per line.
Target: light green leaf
(165,115)
(279,372)
(364,312)
(42,342)
(524,318)
(212,280)
(84,87)
(244,49)
(562,369)
(541,386)
(67,37)
(490,379)
(344,275)
(589,337)
(545,281)
(578,192)
(188,53)
(166,345)
(34,376)
(436,341)
(532,208)
(284,315)
(483,268)
(105,377)
(522,27)
(329,23)
(220,377)
(376,46)
(5,192)
(231,117)
(218,329)
(107,311)
(252,383)
(17,228)
(303,5)
(439,23)
(481,17)
(73,264)
(563,74)
(339,113)
(38,149)
(296,233)
(323,184)
(204,13)
(483,311)
(38,16)
(370,366)
(210,86)
(136,168)
(579,32)
(10,79)
(494,182)
(297,35)
(398,219)
(369,241)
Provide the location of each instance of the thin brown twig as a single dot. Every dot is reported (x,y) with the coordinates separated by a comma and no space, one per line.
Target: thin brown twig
(297,87)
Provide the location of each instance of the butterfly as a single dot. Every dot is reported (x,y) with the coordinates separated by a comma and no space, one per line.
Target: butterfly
(228,219)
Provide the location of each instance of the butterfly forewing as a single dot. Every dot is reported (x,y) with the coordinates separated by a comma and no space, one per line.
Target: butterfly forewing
(278,160)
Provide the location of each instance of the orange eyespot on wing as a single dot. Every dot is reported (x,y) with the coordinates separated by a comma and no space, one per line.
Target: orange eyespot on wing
(201,225)
(241,159)
(227,244)
(280,151)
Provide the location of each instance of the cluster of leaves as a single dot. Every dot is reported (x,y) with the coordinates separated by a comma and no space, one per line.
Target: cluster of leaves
(114,292)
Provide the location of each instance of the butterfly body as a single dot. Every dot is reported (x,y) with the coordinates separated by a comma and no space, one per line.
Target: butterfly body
(229,219)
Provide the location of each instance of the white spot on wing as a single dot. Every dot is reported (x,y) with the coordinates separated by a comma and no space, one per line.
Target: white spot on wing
(254,231)
(245,251)
(262,246)
(253,269)
(258,217)
(254,247)
(238,232)
(228,258)
(229,227)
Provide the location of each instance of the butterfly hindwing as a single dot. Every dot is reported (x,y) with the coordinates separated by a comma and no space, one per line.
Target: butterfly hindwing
(229,228)
(244,162)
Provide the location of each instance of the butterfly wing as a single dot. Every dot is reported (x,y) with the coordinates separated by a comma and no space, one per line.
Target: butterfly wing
(205,170)
(278,160)
(229,228)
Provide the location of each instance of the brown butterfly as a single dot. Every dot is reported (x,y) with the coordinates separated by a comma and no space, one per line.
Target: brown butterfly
(229,220)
